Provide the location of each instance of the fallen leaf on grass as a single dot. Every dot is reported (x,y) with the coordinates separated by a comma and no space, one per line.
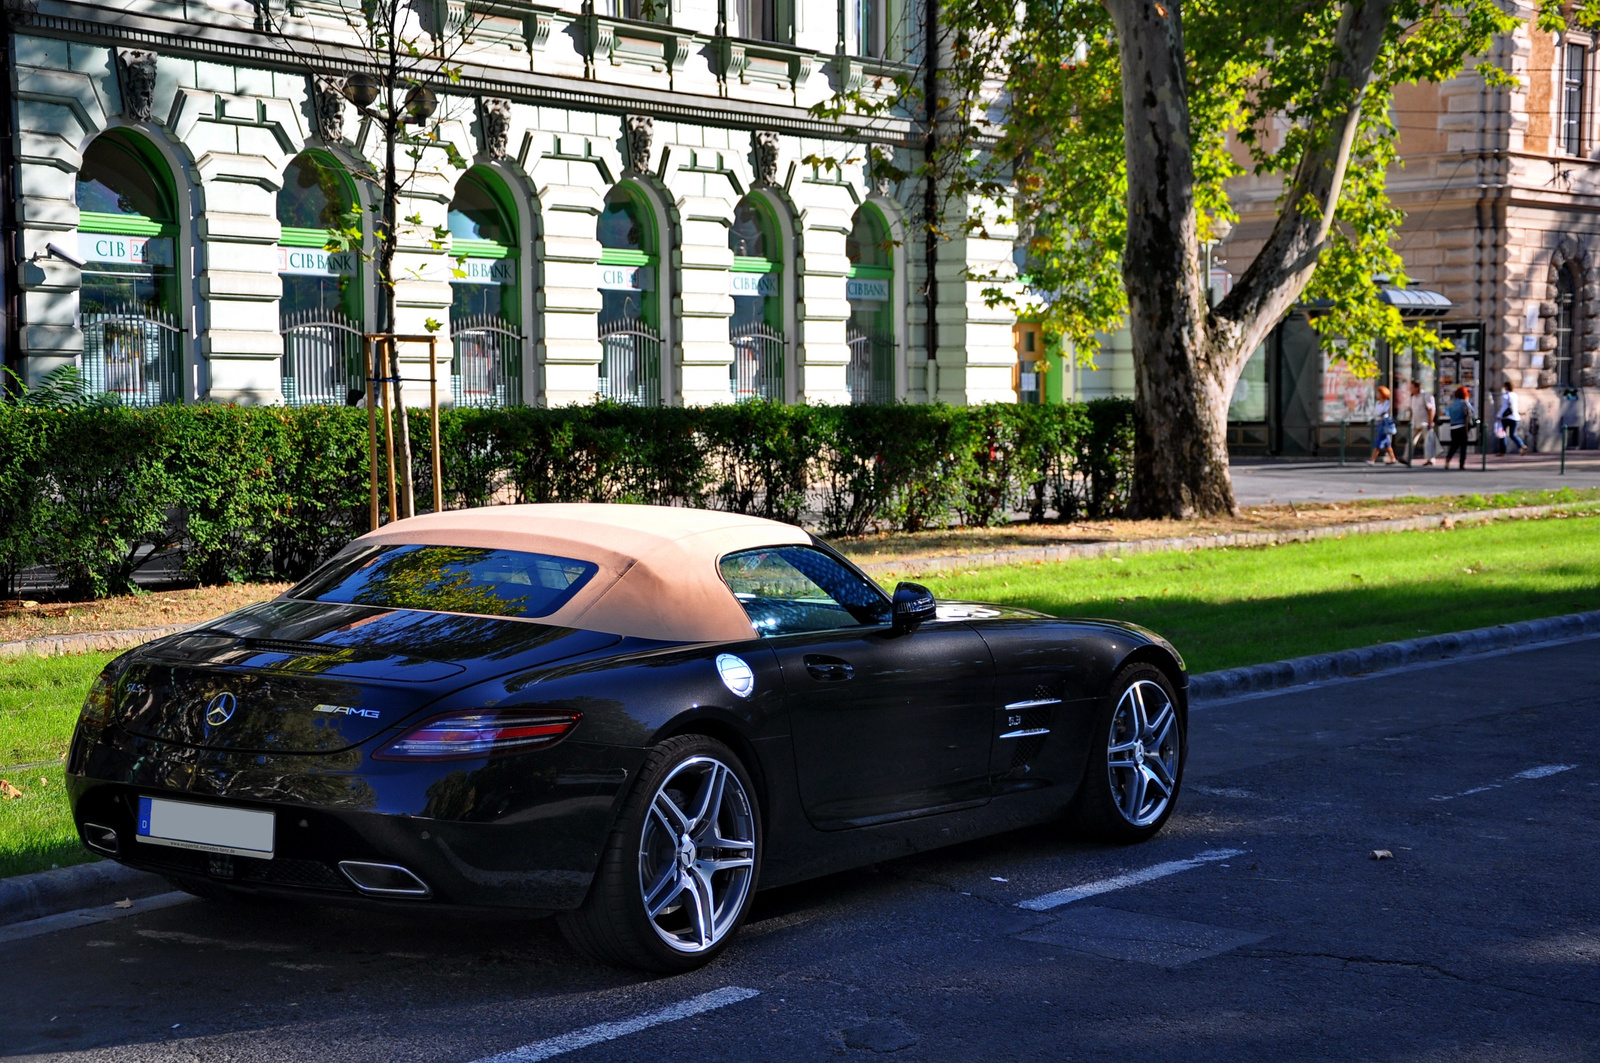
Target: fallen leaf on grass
(1382,854)
(124,903)
(8,791)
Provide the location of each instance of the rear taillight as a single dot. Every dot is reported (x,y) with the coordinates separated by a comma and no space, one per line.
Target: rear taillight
(479,734)
(97,706)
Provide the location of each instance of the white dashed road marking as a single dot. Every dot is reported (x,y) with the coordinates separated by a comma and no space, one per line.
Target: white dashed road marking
(1132,878)
(610,1031)
(1543,771)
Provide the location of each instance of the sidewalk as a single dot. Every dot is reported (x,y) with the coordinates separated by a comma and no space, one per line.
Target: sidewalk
(1257,482)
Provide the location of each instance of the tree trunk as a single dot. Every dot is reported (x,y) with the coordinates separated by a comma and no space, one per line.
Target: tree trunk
(1186,356)
(1180,418)
(386,254)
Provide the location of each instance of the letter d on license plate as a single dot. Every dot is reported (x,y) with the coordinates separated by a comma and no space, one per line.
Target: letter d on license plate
(206,828)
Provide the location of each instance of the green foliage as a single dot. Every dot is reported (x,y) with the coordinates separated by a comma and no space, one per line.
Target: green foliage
(240,493)
(1048,153)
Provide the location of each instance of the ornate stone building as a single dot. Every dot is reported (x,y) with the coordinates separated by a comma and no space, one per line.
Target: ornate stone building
(1501,190)
(647,209)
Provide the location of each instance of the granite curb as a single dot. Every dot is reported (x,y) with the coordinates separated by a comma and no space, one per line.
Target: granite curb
(67,889)
(911,566)
(89,641)
(1298,671)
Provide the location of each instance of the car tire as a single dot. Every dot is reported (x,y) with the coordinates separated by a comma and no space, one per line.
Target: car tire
(680,867)
(1132,780)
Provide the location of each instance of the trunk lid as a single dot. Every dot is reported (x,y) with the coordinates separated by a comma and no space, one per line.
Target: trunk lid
(307,677)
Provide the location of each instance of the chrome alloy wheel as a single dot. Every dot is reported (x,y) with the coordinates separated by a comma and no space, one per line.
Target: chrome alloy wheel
(697,854)
(1142,753)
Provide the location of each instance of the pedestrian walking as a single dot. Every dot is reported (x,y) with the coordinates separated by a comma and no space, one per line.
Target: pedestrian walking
(1510,417)
(1423,413)
(1384,426)
(1459,414)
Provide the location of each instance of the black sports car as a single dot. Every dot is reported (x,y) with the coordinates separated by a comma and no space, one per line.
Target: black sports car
(629,715)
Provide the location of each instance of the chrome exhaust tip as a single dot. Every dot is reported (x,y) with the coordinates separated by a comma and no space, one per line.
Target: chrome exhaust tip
(101,839)
(383,880)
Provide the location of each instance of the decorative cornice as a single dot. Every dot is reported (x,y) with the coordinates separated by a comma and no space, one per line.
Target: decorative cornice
(216,45)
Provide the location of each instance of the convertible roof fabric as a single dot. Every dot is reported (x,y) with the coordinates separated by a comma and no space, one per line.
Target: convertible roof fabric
(658,576)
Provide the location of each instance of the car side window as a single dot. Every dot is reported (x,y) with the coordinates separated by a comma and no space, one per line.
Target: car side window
(790,589)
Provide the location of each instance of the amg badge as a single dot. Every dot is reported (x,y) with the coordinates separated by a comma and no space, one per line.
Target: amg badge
(347,710)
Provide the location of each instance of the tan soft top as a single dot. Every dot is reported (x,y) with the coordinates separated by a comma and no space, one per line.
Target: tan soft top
(658,575)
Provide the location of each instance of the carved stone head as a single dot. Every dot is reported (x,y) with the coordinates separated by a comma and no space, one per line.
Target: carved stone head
(494,122)
(329,100)
(766,149)
(136,71)
(639,128)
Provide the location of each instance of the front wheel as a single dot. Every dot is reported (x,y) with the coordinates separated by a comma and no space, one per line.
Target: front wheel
(680,868)
(1136,763)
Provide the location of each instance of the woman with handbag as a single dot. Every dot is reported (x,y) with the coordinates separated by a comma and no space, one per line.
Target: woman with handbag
(1461,418)
(1383,423)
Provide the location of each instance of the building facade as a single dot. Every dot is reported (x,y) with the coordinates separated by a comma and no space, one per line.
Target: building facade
(1501,189)
(641,206)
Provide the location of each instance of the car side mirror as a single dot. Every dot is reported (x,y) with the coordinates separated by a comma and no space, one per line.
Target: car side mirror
(913,604)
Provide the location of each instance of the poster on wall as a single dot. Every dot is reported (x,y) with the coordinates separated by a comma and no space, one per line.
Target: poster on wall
(1345,396)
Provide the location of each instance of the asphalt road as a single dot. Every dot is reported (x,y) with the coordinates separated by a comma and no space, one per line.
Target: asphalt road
(1263,482)
(1478,940)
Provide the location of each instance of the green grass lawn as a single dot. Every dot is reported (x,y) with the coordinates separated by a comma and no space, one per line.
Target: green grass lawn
(1221,608)
(1224,608)
(39,702)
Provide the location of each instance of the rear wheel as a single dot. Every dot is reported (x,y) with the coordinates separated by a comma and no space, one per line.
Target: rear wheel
(680,867)
(1136,761)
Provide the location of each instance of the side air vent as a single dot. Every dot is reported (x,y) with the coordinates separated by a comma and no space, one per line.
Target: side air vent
(288,646)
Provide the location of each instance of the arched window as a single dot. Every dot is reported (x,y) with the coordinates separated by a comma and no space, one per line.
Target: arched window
(319,312)
(630,338)
(485,294)
(868,287)
(128,304)
(756,284)
(1566,325)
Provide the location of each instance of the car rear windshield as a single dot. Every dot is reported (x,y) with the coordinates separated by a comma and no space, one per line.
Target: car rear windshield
(448,579)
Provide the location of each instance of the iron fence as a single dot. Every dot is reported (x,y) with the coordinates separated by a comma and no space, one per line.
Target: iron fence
(870,375)
(630,362)
(759,354)
(323,359)
(486,368)
(134,353)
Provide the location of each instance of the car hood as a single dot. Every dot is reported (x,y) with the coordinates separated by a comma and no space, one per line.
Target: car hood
(309,677)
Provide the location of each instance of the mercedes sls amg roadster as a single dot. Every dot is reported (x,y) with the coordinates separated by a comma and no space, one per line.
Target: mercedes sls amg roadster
(629,716)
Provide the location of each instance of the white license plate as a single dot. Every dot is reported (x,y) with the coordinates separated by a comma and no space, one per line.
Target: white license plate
(207,828)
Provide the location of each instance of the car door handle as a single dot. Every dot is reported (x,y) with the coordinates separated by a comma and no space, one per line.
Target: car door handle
(828,669)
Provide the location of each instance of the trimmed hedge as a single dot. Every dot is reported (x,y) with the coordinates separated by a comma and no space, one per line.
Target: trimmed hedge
(240,493)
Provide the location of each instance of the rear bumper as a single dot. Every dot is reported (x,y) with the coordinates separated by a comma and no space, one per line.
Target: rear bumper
(524,832)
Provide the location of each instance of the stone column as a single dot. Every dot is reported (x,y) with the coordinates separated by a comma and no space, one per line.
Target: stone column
(821,352)
(700,263)
(58,110)
(569,298)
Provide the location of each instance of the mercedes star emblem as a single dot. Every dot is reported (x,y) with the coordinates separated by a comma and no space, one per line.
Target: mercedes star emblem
(219,710)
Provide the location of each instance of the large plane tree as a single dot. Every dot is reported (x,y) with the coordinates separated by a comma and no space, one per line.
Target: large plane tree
(1106,132)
